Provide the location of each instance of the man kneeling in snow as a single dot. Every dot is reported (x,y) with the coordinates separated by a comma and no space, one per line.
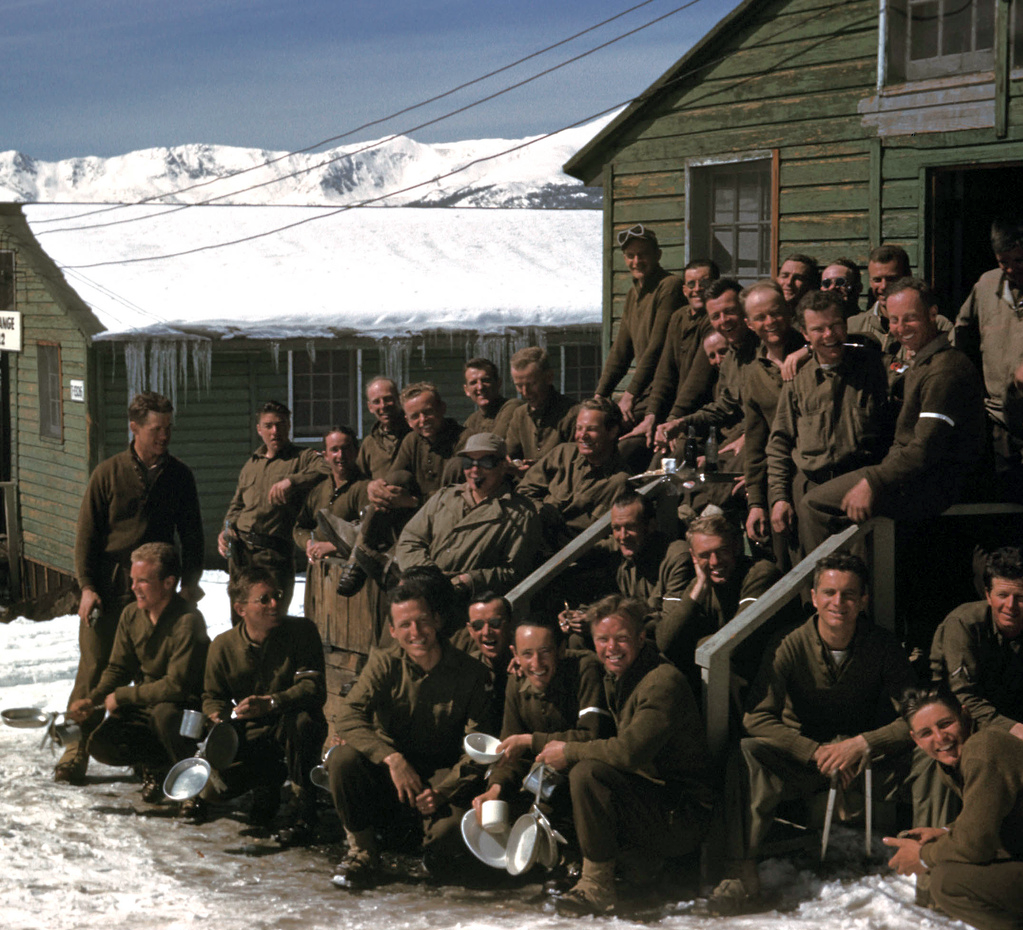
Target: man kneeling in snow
(271,668)
(154,673)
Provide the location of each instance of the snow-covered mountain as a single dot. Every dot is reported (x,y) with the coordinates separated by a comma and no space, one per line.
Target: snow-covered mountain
(393,171)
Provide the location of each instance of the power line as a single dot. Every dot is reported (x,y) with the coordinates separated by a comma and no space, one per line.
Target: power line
(390,138)
(371,123)
(646,95)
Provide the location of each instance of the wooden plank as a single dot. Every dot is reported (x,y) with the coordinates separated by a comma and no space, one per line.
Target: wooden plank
(824,198)
(823,171)
(829,225)
(651,184)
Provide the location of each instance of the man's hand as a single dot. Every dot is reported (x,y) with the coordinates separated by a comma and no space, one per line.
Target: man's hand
(572,621)
(783,517)
(666,432)
(427,801)
(255,705)
(387,496)
(222,538)
(279,492)
(858,502)
(318,550)
(701,583)
(1017,376)
(492,793)
(80,710)
(924,834)
(406,779)
(793,362)
(734,447)
(88,600)
(553,754)
(214,718)
(644,428)
(192,593)
(625,405)
(906,860)
(514,746)
(110,702)
(845,758)
(1017,730)
(758,528)
(519,467)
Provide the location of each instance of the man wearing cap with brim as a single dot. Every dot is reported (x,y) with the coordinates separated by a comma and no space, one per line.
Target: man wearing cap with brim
(481,534)
(654,296)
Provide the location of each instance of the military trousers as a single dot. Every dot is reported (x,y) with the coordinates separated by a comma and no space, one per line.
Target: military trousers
(614,810)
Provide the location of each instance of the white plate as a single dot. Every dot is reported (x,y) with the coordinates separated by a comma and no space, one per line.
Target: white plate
(489,848)
(523,845)
(481,747)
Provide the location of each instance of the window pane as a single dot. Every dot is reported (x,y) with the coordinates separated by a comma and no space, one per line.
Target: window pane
(724,200)
(721,252)
(985,13)
(749,198)
(923,30)
(957,27)
(48,360)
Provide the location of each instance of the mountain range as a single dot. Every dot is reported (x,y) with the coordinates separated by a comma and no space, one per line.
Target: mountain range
(394,171)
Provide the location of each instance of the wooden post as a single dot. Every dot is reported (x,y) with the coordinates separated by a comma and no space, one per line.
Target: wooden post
(12,519)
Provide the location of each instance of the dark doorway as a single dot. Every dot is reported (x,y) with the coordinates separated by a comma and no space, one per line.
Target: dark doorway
(962,202)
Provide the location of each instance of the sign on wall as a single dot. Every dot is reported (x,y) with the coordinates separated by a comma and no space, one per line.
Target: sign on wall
(10,331)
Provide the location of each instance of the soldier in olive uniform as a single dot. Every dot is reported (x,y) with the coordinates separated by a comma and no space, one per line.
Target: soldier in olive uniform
(402,727)
(647,787)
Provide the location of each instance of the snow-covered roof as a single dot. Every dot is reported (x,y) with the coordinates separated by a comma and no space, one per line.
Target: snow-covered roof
(365,271)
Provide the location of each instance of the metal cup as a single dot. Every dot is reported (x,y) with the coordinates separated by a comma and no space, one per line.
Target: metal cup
(191,724)
(670,466)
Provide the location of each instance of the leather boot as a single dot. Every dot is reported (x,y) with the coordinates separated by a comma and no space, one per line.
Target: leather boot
(594,893)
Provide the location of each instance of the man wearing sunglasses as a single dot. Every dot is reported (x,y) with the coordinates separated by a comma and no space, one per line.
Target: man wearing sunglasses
(843,275)
(267,676)
(486,636)
(654,296)
(481,534)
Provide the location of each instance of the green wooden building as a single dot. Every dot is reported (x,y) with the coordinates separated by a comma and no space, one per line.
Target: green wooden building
(227,329)
(826,127)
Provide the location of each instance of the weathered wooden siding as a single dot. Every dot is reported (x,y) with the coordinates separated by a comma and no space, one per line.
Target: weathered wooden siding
(50,472)
(790,76)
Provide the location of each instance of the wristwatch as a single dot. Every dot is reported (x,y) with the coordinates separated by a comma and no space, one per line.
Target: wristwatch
(274,703)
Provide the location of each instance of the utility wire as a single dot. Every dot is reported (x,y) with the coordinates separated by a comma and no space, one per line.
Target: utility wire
(394,136)
(371,123)
(641,98)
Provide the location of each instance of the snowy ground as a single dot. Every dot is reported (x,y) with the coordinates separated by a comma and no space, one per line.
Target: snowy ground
(97,857)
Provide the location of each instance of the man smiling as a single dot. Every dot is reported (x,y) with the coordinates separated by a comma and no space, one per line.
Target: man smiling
(575,483)
(558,697)
(646,789)
(402,727)
(831,418)
(481,534)
(654,296)
(822,706)
(939,432)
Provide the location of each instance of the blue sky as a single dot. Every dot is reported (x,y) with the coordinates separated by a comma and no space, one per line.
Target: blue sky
(104,77)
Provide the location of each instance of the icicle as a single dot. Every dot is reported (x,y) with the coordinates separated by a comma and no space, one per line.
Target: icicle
(275,351)
(310,347)
(183,365)
(162,365)
(396,354)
